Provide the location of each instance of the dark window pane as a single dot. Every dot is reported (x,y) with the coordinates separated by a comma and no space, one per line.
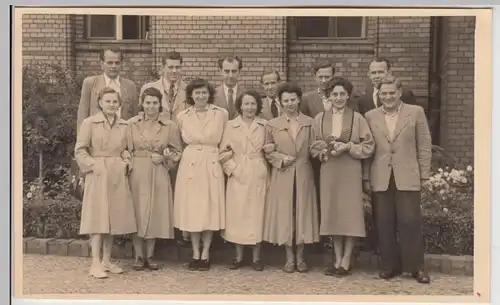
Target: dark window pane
(312,27)
(131,27)
(349,26)
(102,26)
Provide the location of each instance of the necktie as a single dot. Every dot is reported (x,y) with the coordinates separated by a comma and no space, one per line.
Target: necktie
(375,97)
(274,108)
(230,101)
(171,97)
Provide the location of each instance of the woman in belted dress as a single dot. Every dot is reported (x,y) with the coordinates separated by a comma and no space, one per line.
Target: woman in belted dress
(244,163)
(341,140)
(102,156)
(291,214)
(154,142)
(199,197)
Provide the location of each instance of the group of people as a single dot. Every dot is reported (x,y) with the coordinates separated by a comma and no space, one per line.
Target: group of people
(284,168)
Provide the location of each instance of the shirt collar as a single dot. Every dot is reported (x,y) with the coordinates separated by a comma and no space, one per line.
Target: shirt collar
(288,119)
(108,79)
(335,111)
(226,89)
(166,84)
(392,114)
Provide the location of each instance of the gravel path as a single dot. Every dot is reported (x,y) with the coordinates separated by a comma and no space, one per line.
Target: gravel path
(59,274)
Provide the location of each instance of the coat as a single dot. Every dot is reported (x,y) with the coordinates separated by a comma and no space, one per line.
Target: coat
(199,196)
(220,100)
(150,183)
(107,206)
(341,192)
(91,88)
(292,186)
(408,154)
(246,187)
(179,104)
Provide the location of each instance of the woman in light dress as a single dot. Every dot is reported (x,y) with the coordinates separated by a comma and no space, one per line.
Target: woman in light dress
(341,140)
(102,156)
(150,135)
(244,163)
(291,214)
(199,197)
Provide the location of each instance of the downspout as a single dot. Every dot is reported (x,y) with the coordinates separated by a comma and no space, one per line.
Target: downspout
(285,59)
(377,43)
(434,78)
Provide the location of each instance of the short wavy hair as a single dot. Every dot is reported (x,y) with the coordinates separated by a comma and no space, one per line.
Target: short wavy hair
(289,88)
(105,91)
(198,83)
(389,80)
(252,93)
(338,81)
(151,91)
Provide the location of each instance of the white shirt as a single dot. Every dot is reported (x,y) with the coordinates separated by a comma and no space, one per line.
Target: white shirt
(337,119)
(391,119)
(115,84)
(226,92)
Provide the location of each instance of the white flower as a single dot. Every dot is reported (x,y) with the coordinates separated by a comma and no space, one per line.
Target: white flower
(444,197)
(445,210)
(464,180)
(469,168)
(440,170)
(431,178)
(446,174)
(438,176)
(29,195)
(461,172)
(441,192)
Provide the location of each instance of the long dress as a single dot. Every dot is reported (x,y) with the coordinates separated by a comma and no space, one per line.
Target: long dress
(199,197)
(150,183)
(107,206)
(341,193)
(291,201)
(247,173)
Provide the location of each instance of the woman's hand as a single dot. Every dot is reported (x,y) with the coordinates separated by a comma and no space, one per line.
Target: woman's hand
(225,156)
(269,148)
(157,158)
(168,154)
(323,155)
(287,161)
(126,156)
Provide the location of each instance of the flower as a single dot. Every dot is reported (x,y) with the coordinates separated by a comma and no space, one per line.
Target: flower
(29,195)
(446,174)
(469,168)
(445,210)
(440,170)
(32,188)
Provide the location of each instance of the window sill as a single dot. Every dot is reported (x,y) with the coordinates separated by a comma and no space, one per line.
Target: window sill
(127,46)
(348,46)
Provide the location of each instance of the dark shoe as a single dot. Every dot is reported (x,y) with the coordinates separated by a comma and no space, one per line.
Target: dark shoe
(236,265)
(139,264)
(257,266)
(302,267)
(422,277)
(194,265)
(330,271)
(342,271)
(386,275)
(204,265)
(151,265)
(289,267)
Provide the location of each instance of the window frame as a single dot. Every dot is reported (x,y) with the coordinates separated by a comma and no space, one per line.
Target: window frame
(292,33)
(118,22)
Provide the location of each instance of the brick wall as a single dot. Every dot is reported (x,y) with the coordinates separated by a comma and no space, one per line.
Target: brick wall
(201,40)
(457,98)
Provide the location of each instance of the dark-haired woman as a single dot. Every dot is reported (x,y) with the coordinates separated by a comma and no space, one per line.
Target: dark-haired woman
(341,139)
(199,195)
(244,163)
(154,142)
(291,215)
(102,156)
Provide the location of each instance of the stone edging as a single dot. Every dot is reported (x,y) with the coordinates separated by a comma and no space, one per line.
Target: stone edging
(447,264)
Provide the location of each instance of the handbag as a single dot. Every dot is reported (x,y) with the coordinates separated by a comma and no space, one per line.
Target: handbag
(77,187)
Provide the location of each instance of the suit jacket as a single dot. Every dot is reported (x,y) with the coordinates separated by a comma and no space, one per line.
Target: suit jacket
(408,154)
(91,88)
(266,112)
(312,104)
(221,101)
(180,98)
(365,101)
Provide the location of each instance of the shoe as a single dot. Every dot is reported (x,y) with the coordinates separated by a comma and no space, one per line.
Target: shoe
(342,271)
(194,264)
(97,271)
(139,264)
(236,265)
(151,265)
(204,265)
(112,268)
(330,271)
(302,267)
(257,266)
(386,275)
(289,267)
(422,277)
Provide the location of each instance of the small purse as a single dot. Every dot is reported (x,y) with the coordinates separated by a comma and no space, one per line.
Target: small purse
(77,187)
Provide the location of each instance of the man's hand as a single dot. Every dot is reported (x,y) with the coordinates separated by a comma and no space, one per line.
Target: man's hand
(157,158)
(367,187)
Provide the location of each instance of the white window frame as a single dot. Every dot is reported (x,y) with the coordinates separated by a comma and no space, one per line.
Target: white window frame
(118,29)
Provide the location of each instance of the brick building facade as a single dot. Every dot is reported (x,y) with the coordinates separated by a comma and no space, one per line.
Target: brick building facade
(433,56)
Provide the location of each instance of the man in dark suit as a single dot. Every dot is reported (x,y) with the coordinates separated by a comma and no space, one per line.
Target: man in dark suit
(226,94)
(378,69)
(271,107)
(395,174)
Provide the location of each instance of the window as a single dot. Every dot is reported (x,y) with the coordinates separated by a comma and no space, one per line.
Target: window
(307,28)
(117,27)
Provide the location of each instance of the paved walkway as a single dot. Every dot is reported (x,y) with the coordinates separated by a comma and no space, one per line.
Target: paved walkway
(59,274)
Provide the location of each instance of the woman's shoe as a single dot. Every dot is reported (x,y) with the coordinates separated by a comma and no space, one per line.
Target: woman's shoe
(194,265)
(331,271)
(204,265)
(151,265)
(289,267)
(97,271)
(139,264)
(236,265)
(302,267)
(257,266)
(112,268)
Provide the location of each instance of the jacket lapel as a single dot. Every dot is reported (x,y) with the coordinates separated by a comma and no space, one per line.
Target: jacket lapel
(402,121)
(382,125)
(178,100)
(326,125)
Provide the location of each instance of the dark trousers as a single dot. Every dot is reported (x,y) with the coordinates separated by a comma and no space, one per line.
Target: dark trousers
(399,228)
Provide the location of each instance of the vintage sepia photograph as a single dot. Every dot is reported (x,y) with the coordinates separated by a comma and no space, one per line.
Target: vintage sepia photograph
(314,152)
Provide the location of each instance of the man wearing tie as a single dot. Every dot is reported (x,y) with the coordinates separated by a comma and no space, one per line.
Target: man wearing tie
(111,63)
(171,85)
(271,107)
(225,94)
(378,69)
